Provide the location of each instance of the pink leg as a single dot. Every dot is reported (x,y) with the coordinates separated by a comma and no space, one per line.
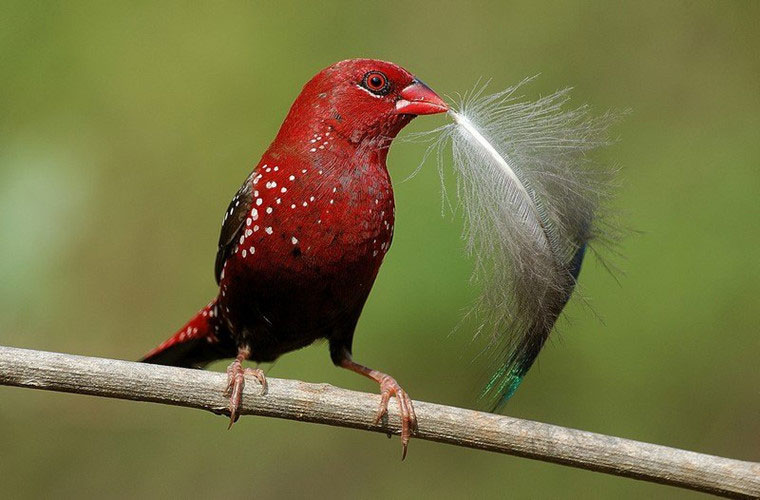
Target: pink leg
(236,382)
(388,387)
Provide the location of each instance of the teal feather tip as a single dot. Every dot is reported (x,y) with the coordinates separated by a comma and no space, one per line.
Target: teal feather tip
(504,383)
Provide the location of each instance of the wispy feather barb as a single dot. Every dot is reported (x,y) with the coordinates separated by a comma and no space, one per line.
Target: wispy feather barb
(532,201)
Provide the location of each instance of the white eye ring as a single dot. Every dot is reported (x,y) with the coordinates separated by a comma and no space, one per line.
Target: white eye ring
(369,92)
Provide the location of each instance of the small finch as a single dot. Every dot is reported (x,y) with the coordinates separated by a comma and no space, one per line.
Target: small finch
(303,239)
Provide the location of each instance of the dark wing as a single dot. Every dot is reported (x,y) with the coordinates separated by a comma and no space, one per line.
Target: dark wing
(233,221)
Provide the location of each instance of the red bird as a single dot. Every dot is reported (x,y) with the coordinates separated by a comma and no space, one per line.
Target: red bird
(303,239)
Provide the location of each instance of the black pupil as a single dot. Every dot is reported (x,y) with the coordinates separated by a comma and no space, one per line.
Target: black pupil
(376,81)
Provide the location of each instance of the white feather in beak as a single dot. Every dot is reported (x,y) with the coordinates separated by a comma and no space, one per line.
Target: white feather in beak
(533,199)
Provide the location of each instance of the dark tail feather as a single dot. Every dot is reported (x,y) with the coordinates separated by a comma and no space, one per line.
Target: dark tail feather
(509,377)
(202,340)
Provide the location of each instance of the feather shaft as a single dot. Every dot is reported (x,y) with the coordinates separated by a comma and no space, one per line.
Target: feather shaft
(489,149)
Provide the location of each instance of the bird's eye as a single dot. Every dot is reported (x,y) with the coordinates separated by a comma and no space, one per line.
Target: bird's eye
(376,82)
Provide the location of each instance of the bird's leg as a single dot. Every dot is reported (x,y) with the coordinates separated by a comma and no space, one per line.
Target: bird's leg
(388,387)
(236,382)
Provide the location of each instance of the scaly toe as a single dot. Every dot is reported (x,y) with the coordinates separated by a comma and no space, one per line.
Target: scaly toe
(382,409)
(389,387)
(234,390)
(259,375)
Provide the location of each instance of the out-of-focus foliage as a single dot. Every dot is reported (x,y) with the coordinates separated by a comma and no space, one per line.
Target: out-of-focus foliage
(125,129)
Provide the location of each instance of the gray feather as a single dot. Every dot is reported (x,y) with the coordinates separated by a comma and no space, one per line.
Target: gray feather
(532,201)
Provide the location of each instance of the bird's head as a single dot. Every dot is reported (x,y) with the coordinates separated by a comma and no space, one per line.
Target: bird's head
(362,101)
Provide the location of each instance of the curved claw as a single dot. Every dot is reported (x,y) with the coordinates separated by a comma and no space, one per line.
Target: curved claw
(236,383)
(389,387)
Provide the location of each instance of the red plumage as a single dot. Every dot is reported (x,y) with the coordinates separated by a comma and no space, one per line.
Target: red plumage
(303,239)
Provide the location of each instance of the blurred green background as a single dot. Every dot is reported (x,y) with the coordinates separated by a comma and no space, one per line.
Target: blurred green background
(126,129)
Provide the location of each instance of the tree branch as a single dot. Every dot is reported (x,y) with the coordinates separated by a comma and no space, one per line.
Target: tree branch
(325,404)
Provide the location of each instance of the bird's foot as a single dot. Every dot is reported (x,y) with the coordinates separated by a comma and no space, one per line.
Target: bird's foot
(235,384)
(389,387)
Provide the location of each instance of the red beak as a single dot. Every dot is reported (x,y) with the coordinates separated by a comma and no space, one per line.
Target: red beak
(418,99)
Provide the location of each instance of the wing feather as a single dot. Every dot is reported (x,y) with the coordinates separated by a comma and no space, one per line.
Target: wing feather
(232,223)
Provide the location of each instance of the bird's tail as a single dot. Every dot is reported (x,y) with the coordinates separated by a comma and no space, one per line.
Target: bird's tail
(201,340)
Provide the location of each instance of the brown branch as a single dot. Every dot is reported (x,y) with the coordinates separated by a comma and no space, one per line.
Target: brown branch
(325,404)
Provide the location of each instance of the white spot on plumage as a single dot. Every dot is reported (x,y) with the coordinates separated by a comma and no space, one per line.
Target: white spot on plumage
(254,214)
(284,190)
(294,240)
(245,252)
(248,221)
(268,229)
(271,184)
(252,250)
(292,177)
(269,210)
